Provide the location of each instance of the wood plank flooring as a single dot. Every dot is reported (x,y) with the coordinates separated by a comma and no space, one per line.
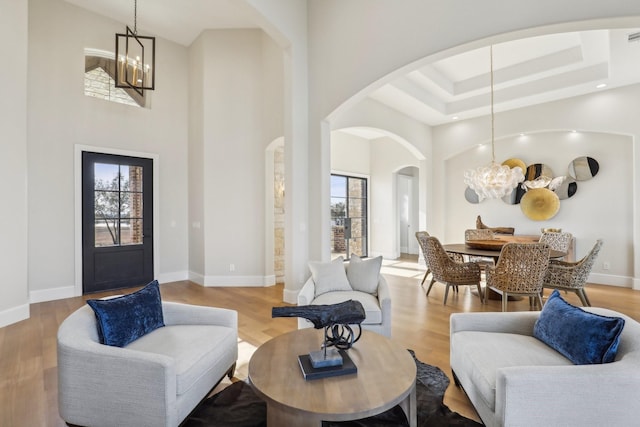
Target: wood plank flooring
(28,370)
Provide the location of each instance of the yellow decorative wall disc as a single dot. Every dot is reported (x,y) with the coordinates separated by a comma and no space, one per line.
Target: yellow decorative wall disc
(540,204)
(512,163)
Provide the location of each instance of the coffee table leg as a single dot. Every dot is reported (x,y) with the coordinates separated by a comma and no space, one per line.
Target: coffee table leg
(409,407)
(278,416)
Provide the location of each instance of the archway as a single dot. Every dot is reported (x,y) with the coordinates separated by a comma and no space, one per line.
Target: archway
(275,210)
(378,155)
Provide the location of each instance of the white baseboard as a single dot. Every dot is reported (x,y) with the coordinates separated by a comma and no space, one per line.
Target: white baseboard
(52,294)
(174,276)
(14,315)
(196,278)
(388,255)
(255,281)
(612,280)
(290,296)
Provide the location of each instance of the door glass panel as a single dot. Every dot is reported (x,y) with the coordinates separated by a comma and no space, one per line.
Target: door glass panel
(106,204)
(131,231)
(106,176)
(118,204)
(106,233)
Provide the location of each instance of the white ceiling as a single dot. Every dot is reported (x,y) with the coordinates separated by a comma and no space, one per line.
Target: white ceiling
(527,72)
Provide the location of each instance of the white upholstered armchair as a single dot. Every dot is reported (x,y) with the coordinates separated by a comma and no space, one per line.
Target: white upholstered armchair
(376,300)
(156,380)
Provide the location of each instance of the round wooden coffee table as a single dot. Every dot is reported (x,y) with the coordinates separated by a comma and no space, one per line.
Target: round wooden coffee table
(386,377)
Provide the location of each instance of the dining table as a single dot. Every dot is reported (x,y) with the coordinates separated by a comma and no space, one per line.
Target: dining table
(464,249)
(492,249)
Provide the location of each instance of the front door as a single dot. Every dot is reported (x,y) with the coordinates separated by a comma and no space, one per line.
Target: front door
(117,221)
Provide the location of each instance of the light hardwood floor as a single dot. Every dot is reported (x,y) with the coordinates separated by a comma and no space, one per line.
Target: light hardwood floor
(28,378)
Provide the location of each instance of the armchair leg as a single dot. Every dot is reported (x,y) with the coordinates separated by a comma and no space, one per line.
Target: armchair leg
(231,371)
(456,381)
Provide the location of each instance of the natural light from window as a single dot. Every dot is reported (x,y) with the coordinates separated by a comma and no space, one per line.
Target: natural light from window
(99,73)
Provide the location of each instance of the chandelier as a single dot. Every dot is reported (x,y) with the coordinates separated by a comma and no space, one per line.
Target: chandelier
(494,181)
(136,58)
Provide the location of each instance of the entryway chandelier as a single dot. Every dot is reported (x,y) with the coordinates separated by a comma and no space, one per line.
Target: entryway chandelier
(136,58)
(494,181)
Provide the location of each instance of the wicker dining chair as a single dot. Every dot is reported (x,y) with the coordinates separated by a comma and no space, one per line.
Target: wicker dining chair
(572,276)
(449,272)
(421,237)
(479,234)
(520,270)
(557,240)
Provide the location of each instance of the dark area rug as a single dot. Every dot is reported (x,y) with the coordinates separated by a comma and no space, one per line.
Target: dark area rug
(238,406)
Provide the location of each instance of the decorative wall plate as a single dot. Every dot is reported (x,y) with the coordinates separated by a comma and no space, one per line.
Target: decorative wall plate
(512,198)
(471,196)
(513,162)
(540,204)
(538,169)
(567,189)
(583,168)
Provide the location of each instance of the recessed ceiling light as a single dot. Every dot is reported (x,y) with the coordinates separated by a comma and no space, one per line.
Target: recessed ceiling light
(522,134)
(601,85)
(574,131)
(455,118)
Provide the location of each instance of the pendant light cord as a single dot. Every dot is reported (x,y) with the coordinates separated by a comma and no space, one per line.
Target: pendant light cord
(135,17)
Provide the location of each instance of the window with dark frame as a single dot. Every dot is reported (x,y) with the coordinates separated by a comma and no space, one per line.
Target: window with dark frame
(349,207)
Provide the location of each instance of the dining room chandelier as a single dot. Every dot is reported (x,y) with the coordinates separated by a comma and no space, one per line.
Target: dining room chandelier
(136,58)
(494,181)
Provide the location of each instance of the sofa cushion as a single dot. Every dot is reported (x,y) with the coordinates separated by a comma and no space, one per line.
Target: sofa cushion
(478,353)
(329,276)
(363,275)
(583,337)
(370,303)
(195,350)
(126,318)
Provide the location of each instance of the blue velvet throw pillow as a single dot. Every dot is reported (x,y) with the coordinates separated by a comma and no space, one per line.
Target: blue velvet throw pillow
(582,337)
(126,318)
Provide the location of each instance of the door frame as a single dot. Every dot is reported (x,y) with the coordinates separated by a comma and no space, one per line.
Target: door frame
(77,170)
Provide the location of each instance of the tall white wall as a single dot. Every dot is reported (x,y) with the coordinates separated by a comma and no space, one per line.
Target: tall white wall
(350,154)
(14,300)
(60,116)
(286,22)
(240,112)
(387,158)
(196,159)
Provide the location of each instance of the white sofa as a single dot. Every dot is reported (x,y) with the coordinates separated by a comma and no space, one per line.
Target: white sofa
(513,379)
(156,380)
(377,307)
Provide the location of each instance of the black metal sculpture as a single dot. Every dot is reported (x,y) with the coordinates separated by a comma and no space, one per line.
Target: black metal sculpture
(347,312)
(336,319)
